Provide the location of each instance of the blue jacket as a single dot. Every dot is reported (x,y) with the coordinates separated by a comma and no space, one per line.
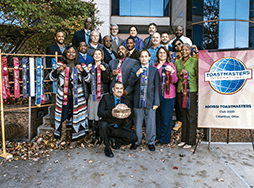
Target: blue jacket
(86,61)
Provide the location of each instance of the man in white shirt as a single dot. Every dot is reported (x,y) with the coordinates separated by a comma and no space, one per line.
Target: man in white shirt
(179,35)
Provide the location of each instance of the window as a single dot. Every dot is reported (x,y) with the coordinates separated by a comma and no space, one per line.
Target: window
(251,25)
(234,34)
(158,8)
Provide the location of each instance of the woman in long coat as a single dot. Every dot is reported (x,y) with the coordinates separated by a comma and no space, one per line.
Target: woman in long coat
(70,95)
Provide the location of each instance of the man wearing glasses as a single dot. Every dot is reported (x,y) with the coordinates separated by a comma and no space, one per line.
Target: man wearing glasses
(116,40)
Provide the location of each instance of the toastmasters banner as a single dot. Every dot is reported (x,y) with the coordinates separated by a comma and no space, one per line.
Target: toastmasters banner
(226,89)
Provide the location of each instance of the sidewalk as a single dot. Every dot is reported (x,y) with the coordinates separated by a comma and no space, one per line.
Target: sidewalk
(88,167)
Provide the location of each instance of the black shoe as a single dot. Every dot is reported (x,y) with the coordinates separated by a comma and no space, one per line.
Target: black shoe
(115,146)
(109,153)
(158,144)
(151,147)
(99,141)
(133,146)
(93,140)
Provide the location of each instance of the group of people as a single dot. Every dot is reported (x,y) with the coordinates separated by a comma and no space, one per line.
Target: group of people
(110,84)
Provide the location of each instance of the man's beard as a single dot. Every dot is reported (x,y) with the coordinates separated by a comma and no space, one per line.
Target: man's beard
(121,54)
(131,49)
(164,42)
(177,36)
(60,42)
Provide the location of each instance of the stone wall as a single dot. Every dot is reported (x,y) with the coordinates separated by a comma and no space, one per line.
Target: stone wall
(17,122)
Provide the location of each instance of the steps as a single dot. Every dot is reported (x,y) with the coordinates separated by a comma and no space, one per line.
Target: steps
(46,126)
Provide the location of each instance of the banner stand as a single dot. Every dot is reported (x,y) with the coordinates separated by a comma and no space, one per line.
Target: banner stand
(30,119)
(252,141)
(210,136)
(227,136)
(3,153)
(209,142)
(199,137)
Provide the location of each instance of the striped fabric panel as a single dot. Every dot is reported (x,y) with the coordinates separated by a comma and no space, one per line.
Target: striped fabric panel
(80,116)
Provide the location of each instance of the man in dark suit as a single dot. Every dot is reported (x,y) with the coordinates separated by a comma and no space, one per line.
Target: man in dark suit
(83,56)
(94,44)
(125,65)
(58,47)
(109,54)
(152,28)
(84,34)
(116,40)
(109,125)
(132,52)
(146,82)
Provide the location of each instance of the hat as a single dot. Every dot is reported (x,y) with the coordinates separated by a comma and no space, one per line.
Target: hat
(121,111)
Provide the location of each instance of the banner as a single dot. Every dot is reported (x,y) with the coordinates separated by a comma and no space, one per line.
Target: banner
(31,77)
(226,89)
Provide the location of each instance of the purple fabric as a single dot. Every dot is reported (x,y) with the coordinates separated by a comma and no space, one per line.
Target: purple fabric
(139,43)
(173,80)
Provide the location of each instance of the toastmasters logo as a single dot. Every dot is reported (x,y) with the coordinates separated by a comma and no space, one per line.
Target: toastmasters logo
(228,75)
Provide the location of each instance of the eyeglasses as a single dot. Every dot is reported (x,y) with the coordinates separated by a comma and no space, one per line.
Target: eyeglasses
(108,40)
(178,44)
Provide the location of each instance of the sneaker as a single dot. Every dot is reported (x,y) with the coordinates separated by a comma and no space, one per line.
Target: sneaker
(177,126)
(187,146)
(181,144)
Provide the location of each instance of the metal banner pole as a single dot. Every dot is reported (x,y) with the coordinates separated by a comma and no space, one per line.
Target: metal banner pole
(209,143)
(30,121)
(252,140)
(2,154)
(227,136)
(199,137)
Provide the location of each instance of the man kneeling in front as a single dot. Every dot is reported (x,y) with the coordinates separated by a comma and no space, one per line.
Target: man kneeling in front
(115,113)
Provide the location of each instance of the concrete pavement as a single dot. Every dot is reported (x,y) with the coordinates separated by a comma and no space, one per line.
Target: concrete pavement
(164,168)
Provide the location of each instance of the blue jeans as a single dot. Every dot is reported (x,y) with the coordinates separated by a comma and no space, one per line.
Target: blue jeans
(164,120)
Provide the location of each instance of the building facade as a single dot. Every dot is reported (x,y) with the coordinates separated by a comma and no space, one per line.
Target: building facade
(165,13)
(201,19)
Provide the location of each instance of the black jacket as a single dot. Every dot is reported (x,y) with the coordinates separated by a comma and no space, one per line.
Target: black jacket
(51,51)
(134,55)
(107,56)
(106,105)
(80,36)
(104,78)
(153,97)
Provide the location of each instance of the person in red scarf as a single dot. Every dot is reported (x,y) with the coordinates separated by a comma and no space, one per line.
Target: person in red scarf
(168,77)
(187,66)
(70,96)
(100,72)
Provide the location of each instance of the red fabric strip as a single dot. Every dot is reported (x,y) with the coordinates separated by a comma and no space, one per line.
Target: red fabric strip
(66,83)
(185,77)
(98,83)
(5,79)
(167,84)
(16,78)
